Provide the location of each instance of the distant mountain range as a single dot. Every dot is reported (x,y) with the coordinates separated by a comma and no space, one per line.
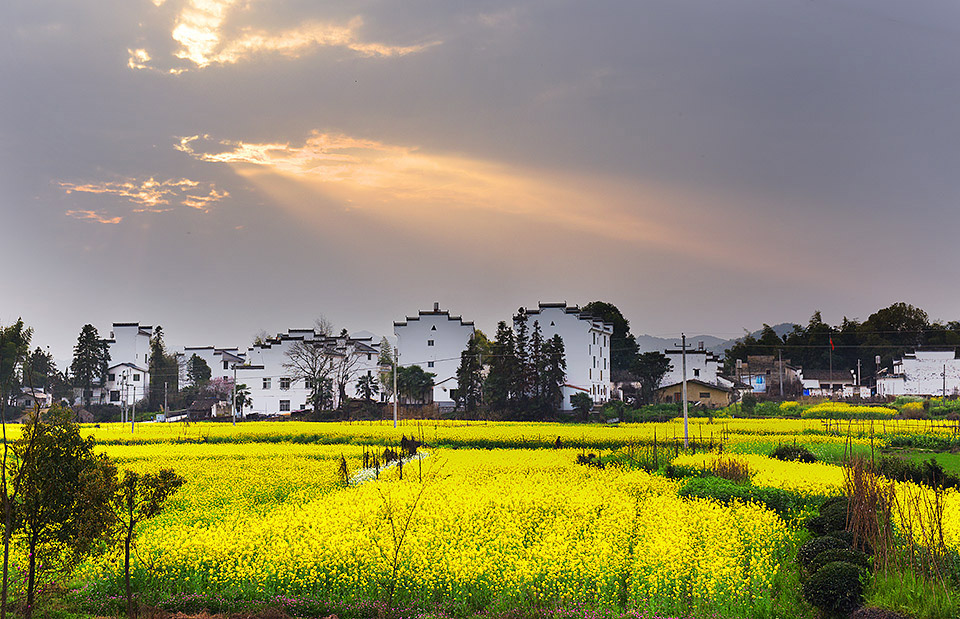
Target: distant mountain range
(716,345)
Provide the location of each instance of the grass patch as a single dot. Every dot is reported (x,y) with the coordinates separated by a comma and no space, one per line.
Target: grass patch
(914,595)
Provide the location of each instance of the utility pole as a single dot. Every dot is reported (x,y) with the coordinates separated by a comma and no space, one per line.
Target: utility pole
(396,395)
(683,364)
(133,415)
(164,398)
(944,382)
(780,356)
(233,399)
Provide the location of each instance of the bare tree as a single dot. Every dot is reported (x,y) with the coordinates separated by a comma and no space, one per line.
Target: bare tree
(322,326)
(346,366)
(314,362)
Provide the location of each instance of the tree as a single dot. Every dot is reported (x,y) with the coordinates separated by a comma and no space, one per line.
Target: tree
(650,369)
(367,387)
(384,360)
(14,344)
(242,399)
(583,404)
(39,370)
(554,373)
(312,361)
(624,350)
(346,365)
(522,378)
(469,377)
(503,364)
(63,506)
(164,370)
(220,388)
(139,497)
(91,356)
(198,371)
(414,384)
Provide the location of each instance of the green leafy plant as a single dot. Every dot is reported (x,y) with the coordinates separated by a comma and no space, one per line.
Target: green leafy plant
(811,549)
(835,588)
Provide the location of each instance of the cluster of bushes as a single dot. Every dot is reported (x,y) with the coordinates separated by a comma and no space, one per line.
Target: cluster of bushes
(928,473)
(842,410)
(793,453)
(723,490)
(833,571)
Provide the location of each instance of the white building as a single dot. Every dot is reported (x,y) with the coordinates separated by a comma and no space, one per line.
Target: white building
(276,390)
(434,340)
(702,365)
(586,342)
(128,379)
(220,361)
(925,372)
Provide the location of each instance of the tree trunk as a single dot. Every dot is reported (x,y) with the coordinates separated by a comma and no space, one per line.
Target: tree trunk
(126,570)
(7,526)
(31,580)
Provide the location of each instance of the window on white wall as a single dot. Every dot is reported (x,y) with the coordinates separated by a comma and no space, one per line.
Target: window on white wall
(429,364)
(429,342)
(136,377)
(284,406)
(266,383)
(284,383)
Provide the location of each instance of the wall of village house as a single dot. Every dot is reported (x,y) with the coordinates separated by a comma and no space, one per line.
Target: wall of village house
(272,387)
(587,348)
(701,365)
(434,341)
(923,374)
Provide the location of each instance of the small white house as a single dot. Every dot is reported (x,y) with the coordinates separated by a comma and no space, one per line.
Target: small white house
(129,348)
(220,361)
(924,372)
(586,342)
(275,389)
(434,340)
(126,384)
(702,365)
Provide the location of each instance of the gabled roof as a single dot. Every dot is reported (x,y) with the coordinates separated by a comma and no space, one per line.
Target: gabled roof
(435,312)
(573,310)
(694,381)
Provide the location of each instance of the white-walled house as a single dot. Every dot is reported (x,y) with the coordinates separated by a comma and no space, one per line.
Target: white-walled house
(925,372)
(586,343)
(702,365)
(220,361)
(275,389)
(128,377)
(434,340)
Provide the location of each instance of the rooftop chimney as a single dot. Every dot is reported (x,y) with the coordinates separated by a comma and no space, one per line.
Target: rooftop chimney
(436,306)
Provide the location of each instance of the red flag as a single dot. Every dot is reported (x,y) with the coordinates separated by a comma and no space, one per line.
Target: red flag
(832,347)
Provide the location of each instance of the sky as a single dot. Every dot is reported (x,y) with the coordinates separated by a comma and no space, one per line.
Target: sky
(222,167)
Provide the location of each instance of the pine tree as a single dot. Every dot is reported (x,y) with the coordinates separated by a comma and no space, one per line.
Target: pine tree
(522,378)
(164,371)
(554,373)
(469,396)
(538,405)
(91,357)
(503,364)
(386,360)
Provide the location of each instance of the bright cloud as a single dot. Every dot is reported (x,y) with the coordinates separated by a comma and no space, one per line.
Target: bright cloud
(96,216)
(150,195)
(404,182)
(203,39)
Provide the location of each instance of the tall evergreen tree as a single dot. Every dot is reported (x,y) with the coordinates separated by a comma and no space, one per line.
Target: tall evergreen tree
(91,357)
(386,360)
(523,377)
(469,378)
(198,371)
(164,370)
(503,365)
(554,373)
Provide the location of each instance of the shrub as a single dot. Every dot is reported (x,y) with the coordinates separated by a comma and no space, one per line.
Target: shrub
(869,612)
(855,557)
(835,588)
(928,473)
(731,468)
(724,491)
(914,410)
(748,403)
(833,517)
(842,410)
(797,453)
(811,549)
